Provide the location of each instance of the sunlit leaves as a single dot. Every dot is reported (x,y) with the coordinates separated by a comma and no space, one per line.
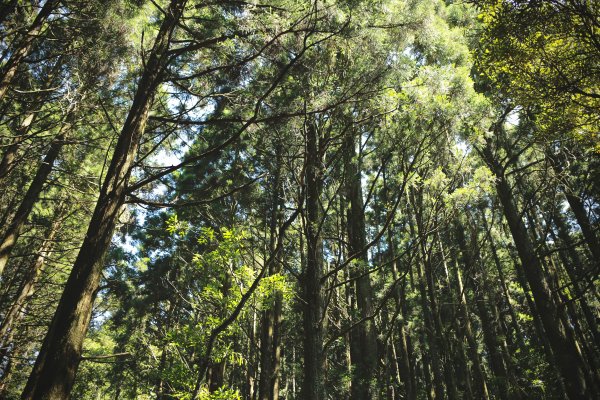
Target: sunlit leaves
(543,57)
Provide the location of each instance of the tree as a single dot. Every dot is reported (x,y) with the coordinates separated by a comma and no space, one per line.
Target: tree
(300,200)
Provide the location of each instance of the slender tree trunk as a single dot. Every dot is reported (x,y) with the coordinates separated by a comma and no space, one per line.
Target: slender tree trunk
(502,278)
(404,366)
(576,205)
(12,233)
(9,157)
(312,388)
(56,365)
(566,353)
(363,341)
(490,336)
(270,348)
(572,265)
(439,326)
(429,304)
(20,51)
(27,289)
(578,209)
(432,338)
(250,386)
(7,163)
(430,355)
(480,385)
(159,387)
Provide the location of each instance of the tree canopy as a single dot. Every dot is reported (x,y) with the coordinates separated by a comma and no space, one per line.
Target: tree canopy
(391,199)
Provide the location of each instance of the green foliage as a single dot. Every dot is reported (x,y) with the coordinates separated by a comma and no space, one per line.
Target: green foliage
(222,393)
(543,57)
(208,267)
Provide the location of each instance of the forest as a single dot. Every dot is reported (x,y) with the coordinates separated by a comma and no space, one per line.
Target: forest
(300,199)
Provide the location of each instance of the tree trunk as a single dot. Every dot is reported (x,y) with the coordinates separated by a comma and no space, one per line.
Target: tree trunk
(56,365)
(480,385)
(502,278)
(21,50)
(313,388)
(404,366)
(576,205)
(490,336)
(270,346)
(567,355)
(435,356)
(12,233)
(9,157)
(573,267)
(27,289)
(7,163)
(578,209)
(363,341)
(430,354)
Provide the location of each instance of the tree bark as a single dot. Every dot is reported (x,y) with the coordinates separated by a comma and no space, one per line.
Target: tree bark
(576,205)
(490,336)
(7,163)
(404,366)
(502,279)
(567,356)
(313,388)
(24,45)
(14,313)
(578,209)
(573,267)
(270,346)
(480,385)
(56,365)
(12,233)
(363,341)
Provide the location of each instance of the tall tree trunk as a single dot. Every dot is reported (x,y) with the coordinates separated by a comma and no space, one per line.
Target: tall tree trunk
(9,157)
(440,326)
(502,279)
(270,347)
(12,233)
(576,205)
(56,365)
(312,388)
(578,209)
(573,267)
(456,362)
(22,48)
(363,341)
(490,336)
(434,352)
(7,163)
(566,353)
(572,320)
(429,346)
(404,366)
(159,387)
(480,385)
(27,289)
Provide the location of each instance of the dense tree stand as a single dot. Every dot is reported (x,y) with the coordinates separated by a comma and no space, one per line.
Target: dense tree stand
(300,200)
